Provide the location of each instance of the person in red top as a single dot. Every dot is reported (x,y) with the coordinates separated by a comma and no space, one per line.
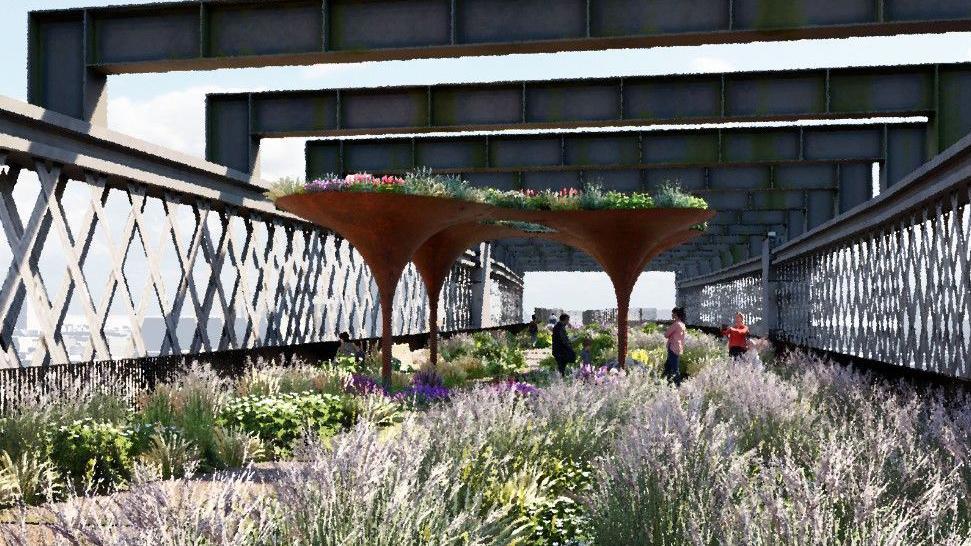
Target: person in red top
(737,336)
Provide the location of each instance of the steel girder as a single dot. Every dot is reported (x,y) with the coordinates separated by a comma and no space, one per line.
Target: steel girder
(627,161)
(787,180)
(71,51)
(235,123)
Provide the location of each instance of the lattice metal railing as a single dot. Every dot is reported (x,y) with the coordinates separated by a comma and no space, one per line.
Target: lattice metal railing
(99,270)
(897,294)
(888,281)
(716,304)
(509,298)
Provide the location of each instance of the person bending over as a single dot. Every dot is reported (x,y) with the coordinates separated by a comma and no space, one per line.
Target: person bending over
(562,348)
(348,347)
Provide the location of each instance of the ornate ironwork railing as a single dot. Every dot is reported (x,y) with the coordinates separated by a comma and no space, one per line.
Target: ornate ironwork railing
(112,249)
(887,281)
(716,304)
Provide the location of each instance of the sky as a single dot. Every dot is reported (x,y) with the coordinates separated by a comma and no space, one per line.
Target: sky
(168,109)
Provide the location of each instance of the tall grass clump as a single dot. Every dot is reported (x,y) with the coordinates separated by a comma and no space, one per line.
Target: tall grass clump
(801,452)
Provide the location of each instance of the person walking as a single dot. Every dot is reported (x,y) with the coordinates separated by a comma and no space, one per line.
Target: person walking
(737,337)
(533,330)
(675,335)
(562,348)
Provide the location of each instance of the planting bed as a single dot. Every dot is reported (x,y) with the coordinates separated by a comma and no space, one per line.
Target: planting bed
(487,450)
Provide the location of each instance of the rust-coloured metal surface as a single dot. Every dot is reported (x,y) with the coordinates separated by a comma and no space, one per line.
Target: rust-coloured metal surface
(623,242)
(434,260)
(386,229)
(389,230)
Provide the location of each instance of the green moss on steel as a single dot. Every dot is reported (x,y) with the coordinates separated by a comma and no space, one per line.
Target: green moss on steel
(775,14)
(955,111)
(444,109)
(852,93)
(322,113)
(702,148)
(555,104)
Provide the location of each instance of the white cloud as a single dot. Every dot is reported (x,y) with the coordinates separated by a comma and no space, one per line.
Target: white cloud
(712,64)
(282,157)
(176,120)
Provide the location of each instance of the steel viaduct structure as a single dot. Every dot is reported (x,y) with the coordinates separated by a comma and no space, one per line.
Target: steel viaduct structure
(801,242)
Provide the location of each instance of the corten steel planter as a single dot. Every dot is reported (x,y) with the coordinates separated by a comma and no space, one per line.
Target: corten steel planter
(434,260)
(623,241)
(390,229)
(386,229)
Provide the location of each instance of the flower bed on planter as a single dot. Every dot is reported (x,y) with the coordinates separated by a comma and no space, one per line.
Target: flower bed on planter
(423,183)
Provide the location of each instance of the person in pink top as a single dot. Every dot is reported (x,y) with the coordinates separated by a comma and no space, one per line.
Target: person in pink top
(675,334)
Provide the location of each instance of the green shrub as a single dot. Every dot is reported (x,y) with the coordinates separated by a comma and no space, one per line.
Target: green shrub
(472,367)
(189,407)
(455,347)
(652,328)
(670,195)
(544,339)
(603,342)
(281,419)
(548,362)
(500,358)
(92,456)
(25,431)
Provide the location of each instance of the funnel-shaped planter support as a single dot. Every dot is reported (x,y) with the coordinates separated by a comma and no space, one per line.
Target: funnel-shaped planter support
(434,260)
(390,229)
(386,229)
(623,242)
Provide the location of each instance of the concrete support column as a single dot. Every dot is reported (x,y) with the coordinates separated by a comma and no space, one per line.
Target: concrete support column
(481,312)
(770,311)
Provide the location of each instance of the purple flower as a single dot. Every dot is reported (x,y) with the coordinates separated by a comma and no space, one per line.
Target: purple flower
(364,384)
(518,387)
(428,378)
(424,394)
(326,184)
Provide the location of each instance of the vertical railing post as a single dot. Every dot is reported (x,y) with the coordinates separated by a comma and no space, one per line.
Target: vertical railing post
(770,312)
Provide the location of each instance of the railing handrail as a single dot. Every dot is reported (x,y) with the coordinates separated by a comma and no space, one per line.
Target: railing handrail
(924,185)
(927,183)
(33,132)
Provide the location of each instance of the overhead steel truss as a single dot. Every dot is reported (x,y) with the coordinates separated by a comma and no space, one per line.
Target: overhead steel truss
(888,280)
(630,160)
(72,51)
(786,180)
(236,122)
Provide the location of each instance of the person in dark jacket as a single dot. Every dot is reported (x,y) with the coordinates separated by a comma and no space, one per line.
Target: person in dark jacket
(533,329)
(562,348)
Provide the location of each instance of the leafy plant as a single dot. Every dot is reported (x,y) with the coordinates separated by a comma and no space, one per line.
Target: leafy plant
(30,479)
(670,195)
(92,456)
(278,420)
(236,448)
